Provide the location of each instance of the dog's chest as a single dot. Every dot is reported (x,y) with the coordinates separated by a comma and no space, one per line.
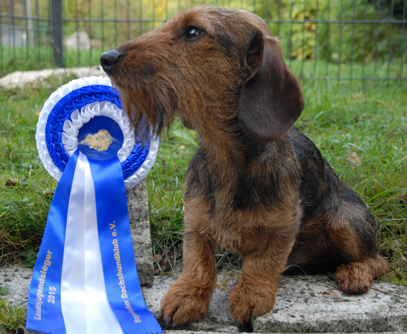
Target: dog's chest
(240,231)
(237,230)
(239,207)
(228,187)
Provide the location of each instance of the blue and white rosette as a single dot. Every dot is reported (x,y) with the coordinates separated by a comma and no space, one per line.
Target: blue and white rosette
(85,277)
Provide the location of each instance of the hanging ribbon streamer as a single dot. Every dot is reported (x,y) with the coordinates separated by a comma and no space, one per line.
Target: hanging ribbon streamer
(85,277)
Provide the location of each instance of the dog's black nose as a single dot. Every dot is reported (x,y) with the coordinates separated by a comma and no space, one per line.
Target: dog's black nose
(110,59)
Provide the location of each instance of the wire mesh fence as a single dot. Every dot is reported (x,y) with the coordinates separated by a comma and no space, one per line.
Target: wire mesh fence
(321,39)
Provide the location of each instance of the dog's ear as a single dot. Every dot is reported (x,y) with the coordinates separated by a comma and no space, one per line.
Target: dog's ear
(271,98)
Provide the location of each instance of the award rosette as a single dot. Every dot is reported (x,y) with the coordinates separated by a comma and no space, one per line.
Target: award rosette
(85,277)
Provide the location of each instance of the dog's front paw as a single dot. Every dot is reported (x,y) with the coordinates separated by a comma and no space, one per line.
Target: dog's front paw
(184,303)
(248,300)
(354,278)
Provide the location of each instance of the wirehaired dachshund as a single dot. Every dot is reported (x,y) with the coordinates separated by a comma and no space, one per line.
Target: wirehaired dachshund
(257,186)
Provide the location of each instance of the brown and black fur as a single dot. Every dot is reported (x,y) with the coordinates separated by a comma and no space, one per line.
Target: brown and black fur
(256,186)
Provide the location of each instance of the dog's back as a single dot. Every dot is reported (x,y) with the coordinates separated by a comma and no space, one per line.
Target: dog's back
(336,225)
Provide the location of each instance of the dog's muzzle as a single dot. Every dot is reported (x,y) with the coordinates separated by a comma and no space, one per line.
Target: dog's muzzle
(110,59)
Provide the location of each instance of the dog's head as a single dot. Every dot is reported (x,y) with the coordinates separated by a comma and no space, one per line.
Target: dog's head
(215,67)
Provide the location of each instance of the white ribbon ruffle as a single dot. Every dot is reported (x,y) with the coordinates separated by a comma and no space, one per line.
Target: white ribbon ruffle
(104,108)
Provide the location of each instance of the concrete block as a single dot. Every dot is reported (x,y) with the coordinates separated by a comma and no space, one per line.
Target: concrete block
(313,304)
(21,79)
(137,202)
(17,278)
(310,304)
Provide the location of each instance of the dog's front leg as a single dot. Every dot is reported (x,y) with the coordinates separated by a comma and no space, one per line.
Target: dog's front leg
(188,298)
(255,293)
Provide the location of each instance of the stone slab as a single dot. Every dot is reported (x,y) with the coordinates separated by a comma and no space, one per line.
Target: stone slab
(309,304)
(314,304)
(22,79)
(17,278)
(137,201)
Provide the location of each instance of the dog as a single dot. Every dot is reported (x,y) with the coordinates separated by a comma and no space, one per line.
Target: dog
(257,186)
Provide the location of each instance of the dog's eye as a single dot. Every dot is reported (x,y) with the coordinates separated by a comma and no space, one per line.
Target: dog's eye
(193,33)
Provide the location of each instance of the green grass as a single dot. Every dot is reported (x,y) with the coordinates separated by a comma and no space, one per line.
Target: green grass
(26,189)
(342,119)
(370,120)
(12,318)
(29,59)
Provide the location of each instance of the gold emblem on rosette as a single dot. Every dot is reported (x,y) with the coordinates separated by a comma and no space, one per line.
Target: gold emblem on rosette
(99,141)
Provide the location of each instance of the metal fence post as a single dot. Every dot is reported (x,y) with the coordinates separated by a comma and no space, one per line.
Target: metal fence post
(57,41)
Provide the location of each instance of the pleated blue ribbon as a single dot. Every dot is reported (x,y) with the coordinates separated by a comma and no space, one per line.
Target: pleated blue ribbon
(85,278)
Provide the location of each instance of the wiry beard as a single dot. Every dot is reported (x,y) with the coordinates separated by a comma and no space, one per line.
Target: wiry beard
(148,103)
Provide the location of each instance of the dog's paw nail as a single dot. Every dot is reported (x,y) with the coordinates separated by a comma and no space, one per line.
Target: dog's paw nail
(244,327)
(168,321)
